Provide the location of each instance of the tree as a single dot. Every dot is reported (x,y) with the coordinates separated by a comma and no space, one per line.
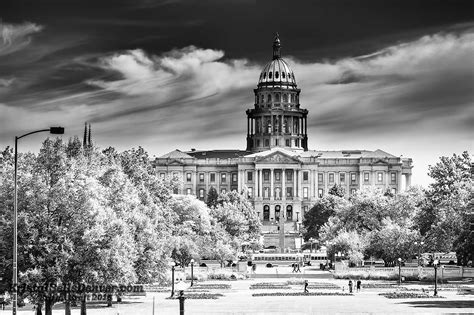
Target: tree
(212,197)
(337,190)
(320,213)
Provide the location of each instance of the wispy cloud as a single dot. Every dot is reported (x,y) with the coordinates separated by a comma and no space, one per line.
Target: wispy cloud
(14,37)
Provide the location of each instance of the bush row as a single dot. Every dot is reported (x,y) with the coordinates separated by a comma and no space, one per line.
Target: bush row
(302,294)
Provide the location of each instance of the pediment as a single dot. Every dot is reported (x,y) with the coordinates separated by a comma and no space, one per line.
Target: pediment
(175,162)
(278,157)
(380,162)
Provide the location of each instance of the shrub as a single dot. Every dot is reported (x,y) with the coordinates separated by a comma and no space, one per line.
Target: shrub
(408,295)
(198,296)
(219,286)
(302,294)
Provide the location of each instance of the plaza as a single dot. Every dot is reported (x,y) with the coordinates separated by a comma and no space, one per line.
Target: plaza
(238,299)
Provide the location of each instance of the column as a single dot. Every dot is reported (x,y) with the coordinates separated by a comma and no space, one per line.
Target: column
(361,179)
(399,181)
(239,181)
(407,181)
(295,192)
(248,125)
(325,180)
(300,189)
(196,175)
(283,184)
(206,181)
(260,192)
(311,183)
(271,184)
(305,125)
(316,183)
(386,179)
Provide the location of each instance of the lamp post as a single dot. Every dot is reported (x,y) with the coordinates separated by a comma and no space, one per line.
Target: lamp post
(312,241)
(192,270)
(181,286)
(419,244)
(54,131)
(399,271)
(172,264)
(435,264)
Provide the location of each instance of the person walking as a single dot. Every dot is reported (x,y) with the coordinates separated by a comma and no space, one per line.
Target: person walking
(298,267)
(359,283)
(350,286)
(294,267)
(306,286)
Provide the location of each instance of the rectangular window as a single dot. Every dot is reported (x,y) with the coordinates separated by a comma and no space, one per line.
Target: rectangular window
(223,191)
(287,142)
(289,176)
(234,177)
(223,178)
(289,192)
(162,175)
(394,191)
(305,210)
(213,177)
(250,192)
(201,177)
(267,142)
(393,178)
(266,176)
(331,178)
(276,142)
(366,178)
(353,191)
(249,176)
(277,176)
(188,177)
(188,191)
(305,192)
(320,178)
(353,178)
(201,193)
(342,178)
(305,176)
(380,177)
(320,193)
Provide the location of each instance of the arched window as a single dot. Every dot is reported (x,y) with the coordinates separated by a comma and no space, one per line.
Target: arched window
(269,75)
(266,213)
(276,74)
(277,97)
(289,76)
(285,98)
(269,98)
(264,75)
(283,75)
(277,212)
(262,98)
(289,213)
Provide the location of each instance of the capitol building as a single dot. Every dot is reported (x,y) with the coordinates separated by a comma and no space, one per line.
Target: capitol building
(282,176)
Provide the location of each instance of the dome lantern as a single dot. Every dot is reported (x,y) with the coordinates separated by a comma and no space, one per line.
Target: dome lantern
(276,47)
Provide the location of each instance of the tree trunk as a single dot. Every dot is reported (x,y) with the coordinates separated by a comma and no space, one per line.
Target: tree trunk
(109,300)
(119,298)
(39,306)
(48,306)
(67,308)
(83,306)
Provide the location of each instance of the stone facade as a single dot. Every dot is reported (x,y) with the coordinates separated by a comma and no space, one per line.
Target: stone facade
(282,176)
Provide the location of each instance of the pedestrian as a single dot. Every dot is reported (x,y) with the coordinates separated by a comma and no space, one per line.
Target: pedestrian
(306,286)
(294,267)
(298,267)
(254,268)
(359,283)
(350,286)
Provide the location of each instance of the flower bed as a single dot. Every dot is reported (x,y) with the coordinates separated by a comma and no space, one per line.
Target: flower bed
(218,286)
(198,296)
(324,286)
(408,295)
(380,286)
(301,294)
(272,287)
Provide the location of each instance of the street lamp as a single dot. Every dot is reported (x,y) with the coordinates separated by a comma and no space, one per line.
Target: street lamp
(181,286)
(172,264)
(399,271)
(420,244)
(54,131)
(192,270)
(311,240)
(435,264)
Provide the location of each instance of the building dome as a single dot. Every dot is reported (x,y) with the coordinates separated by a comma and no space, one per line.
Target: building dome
(277,71)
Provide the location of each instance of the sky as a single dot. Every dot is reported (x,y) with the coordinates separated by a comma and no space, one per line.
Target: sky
(169,74)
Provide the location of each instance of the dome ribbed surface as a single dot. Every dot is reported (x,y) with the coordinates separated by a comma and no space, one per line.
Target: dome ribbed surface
(277,72)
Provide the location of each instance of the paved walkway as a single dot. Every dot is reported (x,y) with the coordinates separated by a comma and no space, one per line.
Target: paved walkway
(238,301)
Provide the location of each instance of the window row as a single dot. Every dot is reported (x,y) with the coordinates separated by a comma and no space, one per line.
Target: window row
(277,97)
(212,177)
(284,75)
(278,214)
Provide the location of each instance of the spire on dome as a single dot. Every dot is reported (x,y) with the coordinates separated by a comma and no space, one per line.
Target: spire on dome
(276,46)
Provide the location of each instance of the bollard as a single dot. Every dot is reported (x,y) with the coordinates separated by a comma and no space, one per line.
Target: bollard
(181,303)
